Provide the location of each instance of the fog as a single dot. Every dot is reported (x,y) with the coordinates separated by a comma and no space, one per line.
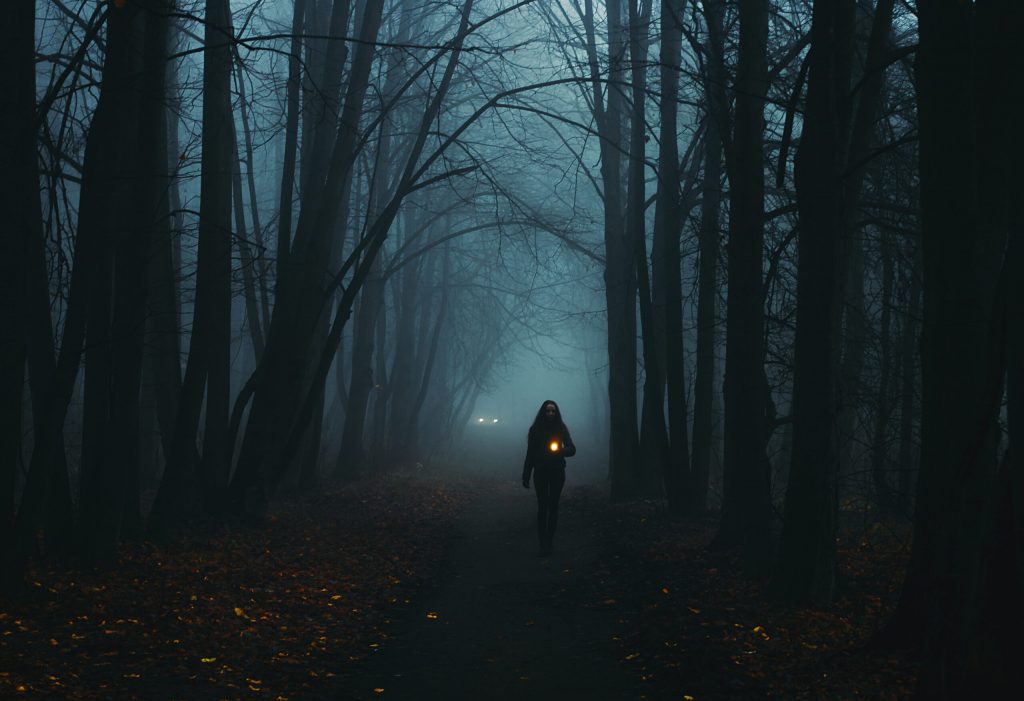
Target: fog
(555,369)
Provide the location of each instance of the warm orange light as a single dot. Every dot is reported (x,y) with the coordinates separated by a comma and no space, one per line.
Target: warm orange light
(554,446)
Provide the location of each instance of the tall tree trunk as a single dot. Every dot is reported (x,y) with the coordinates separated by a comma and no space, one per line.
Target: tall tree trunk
(187,485)
(807,567)
(115,324)
(909,347)
(1012,503)
(109,486)
(163,347)
(746,504)
(411,433)
(853,330)
(716,123)
(959,558)
(351,462)
(213,291)
(410,299)
(19,198)
(258,265)
(653,435)
(291,130)
(248,265)
(620,268)
(665,263)
(885,495)
(862,131)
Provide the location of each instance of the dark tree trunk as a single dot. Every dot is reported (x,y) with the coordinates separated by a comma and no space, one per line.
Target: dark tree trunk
(746,504)
(853,331)
(257,263)
(716,123)
(885,495)
(380,444)
(22,223)
(163,347)
(653,435)
(909,347)
(213,293)
(247,263)
(411,433)
(862,130)
(352,456)
(284,229)
(133,166)
(666,273)
(1011,520)
(962,558)
(185,485)
(807,566)
(620,268)
(409,299)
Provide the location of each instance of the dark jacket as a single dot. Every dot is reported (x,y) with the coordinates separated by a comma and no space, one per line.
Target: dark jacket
(538,449)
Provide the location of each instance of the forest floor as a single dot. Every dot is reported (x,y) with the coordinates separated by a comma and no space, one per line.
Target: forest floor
(428,586)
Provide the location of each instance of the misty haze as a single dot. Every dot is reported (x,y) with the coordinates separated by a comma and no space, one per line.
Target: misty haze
(511,349)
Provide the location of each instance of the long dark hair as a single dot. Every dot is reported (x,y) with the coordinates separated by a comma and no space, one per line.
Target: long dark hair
(540,422)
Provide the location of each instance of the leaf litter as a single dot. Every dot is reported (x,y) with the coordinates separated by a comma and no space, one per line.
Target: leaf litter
(272,611)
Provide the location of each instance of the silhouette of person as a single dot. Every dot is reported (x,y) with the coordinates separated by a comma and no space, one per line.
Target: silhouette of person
(548,444)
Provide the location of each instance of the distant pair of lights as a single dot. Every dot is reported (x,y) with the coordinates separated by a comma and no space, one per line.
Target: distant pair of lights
(482,420)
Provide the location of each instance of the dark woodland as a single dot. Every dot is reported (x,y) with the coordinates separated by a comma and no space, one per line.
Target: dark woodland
(284,283)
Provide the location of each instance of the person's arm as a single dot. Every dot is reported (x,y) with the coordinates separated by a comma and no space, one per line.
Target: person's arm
(568,447)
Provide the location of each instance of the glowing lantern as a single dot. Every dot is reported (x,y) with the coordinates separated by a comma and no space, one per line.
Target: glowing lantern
(553,447)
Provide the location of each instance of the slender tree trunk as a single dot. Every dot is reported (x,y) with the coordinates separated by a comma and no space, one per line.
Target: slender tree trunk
(187,485)
(403,388)
(909,346)
(352,455)
(380,443)
(862,130)
(746,505)
(717,123)
(666,260)
(620,268)
(885,495)
(247,263)
(653,436)
(258,264)
(20,199)
(214,288)
(163,347)
(853,330)
(284,229)
(807,567)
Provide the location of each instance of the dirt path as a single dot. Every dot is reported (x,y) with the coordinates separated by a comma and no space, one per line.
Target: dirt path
(509,624)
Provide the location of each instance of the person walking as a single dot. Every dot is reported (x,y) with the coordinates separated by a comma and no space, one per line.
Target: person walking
(548,444)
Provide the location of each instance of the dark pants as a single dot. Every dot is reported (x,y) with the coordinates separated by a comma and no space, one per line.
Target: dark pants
(548,481)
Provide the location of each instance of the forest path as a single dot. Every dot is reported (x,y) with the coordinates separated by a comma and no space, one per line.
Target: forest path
(509,624)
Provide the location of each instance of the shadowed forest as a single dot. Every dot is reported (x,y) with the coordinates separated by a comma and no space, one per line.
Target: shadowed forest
(285,282)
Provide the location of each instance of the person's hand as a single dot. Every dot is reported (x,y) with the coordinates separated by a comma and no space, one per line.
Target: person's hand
(526,482)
